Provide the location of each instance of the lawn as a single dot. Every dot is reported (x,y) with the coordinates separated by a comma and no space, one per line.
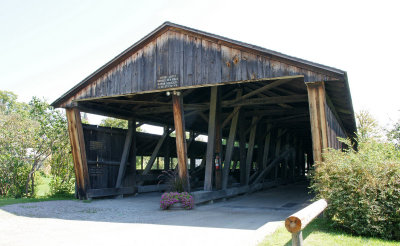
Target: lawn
(43,188)
(319,232)
(9,201)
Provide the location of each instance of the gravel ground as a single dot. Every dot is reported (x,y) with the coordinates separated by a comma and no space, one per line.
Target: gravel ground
(137,220)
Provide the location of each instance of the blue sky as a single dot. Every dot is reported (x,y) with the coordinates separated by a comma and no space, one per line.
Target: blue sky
(46,47)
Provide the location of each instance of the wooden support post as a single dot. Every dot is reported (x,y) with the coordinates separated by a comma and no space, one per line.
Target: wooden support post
(76,138)
(125,153)
(230,145)
(293,160)
(278,150)
(167,151)
(141,162)
(218,144)
(130,179)
(301,158)
(286,161)
(319,130)
(297,238)
(249,156)
(192,159)
(211,140)
(260,139)
(266,146)
(242,148)
(181,148)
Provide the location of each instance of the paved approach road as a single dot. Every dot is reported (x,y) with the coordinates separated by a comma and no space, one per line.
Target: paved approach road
(137,220)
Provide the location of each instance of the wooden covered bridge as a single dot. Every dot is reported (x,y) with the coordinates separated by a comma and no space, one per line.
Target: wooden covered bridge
(268,116)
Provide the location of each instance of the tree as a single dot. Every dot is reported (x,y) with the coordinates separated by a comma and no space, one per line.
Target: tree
(50,143)
(16,133)
(367,126)
(114,122)
(8,101)
(394,134)
(32,135)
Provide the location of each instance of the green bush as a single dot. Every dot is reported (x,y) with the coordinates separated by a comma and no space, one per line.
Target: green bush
(362,188)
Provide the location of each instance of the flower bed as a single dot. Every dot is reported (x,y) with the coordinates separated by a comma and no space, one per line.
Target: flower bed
(170,198)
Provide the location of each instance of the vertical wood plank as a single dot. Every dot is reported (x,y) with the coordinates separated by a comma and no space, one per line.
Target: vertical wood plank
(226,63)
(149,65)
(205,57)
(197,56)
(181,148)
(188,65)
(162,56)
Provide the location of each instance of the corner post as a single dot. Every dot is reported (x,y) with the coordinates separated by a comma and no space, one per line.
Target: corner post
(76,138)
(317,104)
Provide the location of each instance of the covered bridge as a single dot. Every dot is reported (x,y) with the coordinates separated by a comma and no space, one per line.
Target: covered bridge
(268,116)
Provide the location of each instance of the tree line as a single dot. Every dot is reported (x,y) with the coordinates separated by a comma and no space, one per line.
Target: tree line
(34,138)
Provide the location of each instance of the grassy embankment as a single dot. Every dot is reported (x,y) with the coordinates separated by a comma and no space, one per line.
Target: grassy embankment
(320,232)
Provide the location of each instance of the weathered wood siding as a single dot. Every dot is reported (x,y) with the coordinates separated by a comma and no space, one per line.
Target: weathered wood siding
(194,61)
(334,129)
(103,151)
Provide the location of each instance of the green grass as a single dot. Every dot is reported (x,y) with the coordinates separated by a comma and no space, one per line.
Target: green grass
(43,188)
(9,201)
(319,232)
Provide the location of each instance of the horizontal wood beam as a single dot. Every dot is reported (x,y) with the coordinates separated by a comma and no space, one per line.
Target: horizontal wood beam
(268,93)
(271,112)
(262,89)
(267,100)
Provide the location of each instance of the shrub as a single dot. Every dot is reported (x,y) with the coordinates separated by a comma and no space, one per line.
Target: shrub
(362,188)
(170,198)
(172,180)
